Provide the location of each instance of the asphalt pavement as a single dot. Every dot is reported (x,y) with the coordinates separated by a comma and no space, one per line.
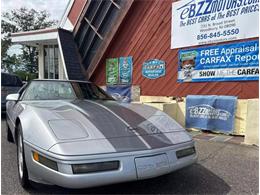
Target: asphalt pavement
(222,168)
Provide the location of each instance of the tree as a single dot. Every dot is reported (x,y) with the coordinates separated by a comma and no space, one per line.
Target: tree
(17,20)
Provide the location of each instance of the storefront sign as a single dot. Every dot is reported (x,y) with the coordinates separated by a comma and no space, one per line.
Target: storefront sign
(120,93)
(125,70)
(198,22)
(112,71)
(153,69)
(230,62)
(211,112)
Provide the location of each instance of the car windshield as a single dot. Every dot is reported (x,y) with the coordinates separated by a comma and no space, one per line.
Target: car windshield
(49,90)
(90,91)
(58,90)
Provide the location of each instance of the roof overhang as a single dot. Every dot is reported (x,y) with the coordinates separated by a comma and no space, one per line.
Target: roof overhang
(65,22)
(36,37)
(72,14)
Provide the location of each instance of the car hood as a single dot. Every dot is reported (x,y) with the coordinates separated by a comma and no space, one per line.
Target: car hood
(83,126)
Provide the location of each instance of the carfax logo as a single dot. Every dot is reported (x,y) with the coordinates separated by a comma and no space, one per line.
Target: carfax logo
(153,69)
(208,112)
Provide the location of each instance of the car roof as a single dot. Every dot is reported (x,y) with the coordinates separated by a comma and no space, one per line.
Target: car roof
(8,79)
(10,74)
(61,80)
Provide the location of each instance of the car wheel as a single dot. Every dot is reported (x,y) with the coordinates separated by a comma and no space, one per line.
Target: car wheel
(22,170)
(9,134)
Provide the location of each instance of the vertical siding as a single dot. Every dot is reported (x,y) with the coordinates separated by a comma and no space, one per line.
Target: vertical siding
(75,10)
(145,34)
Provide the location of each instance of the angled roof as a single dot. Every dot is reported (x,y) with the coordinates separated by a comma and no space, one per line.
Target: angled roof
(71,14)
(91,49)
(70,55)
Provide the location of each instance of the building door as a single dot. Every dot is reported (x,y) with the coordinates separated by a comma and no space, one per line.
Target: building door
(51,62)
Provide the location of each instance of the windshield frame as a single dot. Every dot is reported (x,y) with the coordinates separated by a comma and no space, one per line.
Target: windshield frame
(72,83)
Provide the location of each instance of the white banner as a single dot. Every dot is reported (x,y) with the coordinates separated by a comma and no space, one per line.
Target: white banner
(222,73)
(199,22)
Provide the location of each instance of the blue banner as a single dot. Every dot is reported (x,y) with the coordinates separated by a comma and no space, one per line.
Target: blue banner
(211,112)
(121,93)
(125,70)
(153,69)
(229,62)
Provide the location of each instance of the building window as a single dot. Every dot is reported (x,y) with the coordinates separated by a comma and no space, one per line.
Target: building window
(51,62)
(97,22)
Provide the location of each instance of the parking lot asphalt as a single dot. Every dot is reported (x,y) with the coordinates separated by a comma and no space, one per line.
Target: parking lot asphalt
(222,168)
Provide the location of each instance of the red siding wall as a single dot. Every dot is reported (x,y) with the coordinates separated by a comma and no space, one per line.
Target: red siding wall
(75,10)
(145,34)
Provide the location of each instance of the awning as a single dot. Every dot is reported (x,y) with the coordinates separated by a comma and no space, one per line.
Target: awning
(36,37)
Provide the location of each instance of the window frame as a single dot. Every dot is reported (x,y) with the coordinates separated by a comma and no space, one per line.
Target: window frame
(55,58)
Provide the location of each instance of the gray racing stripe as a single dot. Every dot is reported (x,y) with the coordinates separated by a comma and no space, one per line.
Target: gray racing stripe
(152,135)
(130,129)
(111,127)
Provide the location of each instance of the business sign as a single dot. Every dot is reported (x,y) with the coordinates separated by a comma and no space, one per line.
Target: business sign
(120,93)
(153,69)
(112,71)
(198,22)
(211,112)
(230,62)
(125,70)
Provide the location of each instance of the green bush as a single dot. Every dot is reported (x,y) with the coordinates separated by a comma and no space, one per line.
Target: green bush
(25,76)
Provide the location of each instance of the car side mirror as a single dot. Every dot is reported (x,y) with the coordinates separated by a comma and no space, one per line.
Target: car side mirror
(12,97)
(117,97)
(120,98)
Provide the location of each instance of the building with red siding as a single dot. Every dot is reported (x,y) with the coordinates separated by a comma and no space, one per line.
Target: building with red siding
(93,31)
(137,28)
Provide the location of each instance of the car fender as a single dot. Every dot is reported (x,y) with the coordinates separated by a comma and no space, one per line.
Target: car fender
(36,131)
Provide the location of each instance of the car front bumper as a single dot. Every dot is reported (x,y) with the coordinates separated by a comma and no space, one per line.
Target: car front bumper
(133,166)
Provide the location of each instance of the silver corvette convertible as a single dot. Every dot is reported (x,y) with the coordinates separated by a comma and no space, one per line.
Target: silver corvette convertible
(75,135)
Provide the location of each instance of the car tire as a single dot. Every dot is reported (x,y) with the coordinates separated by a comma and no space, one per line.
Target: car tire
(21,165)
(9,136)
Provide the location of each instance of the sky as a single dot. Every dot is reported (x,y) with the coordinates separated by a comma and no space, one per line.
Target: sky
(55,7)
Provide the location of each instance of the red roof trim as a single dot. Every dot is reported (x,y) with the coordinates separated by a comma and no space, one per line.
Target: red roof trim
(33,32)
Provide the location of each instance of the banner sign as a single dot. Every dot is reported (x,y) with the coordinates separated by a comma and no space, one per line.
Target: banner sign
(153,69)
(121,93)
(125,70)
(211,112)
(230,62)
(198,22)
(112,71)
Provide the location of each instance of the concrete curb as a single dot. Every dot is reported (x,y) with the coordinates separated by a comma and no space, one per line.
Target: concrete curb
(200,135)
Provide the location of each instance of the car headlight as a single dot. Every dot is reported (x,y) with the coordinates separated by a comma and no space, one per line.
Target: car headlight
(45,161)
(95,167)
